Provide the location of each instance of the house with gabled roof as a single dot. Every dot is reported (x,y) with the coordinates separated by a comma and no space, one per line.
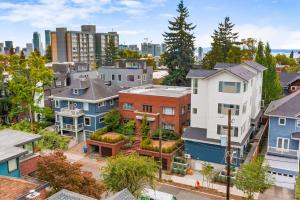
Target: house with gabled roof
(227,86)
(80,108)
(290,82)
(283,139)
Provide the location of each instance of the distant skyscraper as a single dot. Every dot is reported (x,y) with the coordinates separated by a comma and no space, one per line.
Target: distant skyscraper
(9,44)
(47,38)
(29,49)
(37,42)
(200,53)
(1,48)
(163,48)
(132,47)
(17,50)
(149,48)
(102,40)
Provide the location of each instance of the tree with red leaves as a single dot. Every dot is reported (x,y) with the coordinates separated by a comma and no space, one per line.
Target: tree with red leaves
(62,174)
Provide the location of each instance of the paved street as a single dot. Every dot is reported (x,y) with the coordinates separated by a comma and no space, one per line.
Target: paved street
(183,194)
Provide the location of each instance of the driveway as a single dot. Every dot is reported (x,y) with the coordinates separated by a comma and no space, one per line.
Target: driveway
(93,165)
(277,193)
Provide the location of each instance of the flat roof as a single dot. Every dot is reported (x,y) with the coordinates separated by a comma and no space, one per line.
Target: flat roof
(159,90)
(11,142)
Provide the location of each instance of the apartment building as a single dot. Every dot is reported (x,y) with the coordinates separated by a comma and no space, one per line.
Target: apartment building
(228,86)
(166,107)
(80,46)
(127,73)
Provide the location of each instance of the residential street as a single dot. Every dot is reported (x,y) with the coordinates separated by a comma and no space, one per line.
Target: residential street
(183,194)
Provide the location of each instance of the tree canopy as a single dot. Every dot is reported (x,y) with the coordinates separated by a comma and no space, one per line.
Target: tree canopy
(133,172)
(48,55)
(62,174)
(111,51)
(179,55)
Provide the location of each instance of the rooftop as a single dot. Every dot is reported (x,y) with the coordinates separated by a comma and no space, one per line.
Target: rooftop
(122,195)
(10,140)
(159,90)
(68,195)
(287,106)
(288,78)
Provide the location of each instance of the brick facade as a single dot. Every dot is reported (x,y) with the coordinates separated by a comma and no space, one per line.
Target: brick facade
(115,148)
(180,118)
(29,165)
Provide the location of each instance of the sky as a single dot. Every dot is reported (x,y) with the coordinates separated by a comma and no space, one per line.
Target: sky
(275,21)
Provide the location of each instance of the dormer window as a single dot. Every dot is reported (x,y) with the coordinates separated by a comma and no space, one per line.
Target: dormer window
(75,91)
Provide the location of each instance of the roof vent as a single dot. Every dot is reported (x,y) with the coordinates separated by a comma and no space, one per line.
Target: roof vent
(32,194)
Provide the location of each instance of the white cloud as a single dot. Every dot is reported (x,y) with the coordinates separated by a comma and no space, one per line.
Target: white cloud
(130,32)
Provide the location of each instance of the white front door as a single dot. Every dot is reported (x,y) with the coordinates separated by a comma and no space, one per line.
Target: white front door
(283,143)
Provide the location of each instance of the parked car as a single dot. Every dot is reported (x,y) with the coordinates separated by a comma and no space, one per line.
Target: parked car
(149,194)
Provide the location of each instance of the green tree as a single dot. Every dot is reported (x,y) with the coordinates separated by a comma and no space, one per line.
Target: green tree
(253,177)
(62,174)
(224,45)
(145,128)
(248,49)
(292,54)
(272,89)
(179,55)
(133,172)
(48,55)
(27,84)
(112,120)
(12,51)
(111,51)
(128,54)
(128,128)
(22,56)
(207,171)
(259,56)
(285,60)
(52,140)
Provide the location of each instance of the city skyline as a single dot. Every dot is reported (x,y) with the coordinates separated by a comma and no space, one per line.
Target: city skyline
(128,18)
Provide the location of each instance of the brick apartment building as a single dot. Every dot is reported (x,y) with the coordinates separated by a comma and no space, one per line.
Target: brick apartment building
(167,107)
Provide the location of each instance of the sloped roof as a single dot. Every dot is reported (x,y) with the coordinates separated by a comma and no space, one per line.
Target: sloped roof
(95,89)
(288,78)
(68,195)
(258,67)
(288,106)
(224,65)
(122,195)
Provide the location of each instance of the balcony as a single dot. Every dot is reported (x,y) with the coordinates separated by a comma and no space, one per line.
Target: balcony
(288,153)
(71,127)
(71,112)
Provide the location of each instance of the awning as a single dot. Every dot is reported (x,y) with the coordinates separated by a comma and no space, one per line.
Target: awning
(296,136)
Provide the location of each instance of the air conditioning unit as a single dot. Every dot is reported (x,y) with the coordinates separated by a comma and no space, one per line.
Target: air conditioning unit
(187,156)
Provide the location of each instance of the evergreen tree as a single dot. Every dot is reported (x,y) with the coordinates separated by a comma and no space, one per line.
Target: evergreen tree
(179,55)
(111,51)
(11,51)
(224,45)
(48,55)
(22,57)
(292,54)
(271,85)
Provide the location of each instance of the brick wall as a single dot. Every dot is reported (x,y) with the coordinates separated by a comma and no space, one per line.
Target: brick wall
(29,165)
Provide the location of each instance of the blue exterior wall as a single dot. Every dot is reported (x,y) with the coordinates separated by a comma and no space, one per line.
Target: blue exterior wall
(4,170)
(207,152)
(284,131)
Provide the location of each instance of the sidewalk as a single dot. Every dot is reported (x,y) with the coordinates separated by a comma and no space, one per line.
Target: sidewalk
(191,180)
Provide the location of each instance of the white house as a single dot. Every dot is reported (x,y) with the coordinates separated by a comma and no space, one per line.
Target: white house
(228,86)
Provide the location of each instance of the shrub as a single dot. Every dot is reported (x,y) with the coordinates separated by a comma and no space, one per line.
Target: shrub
(112,120)
(52,140)
(165,134)
(147,145)
(128,128)
(297,189)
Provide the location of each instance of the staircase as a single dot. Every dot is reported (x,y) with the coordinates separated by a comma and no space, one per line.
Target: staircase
(135,146)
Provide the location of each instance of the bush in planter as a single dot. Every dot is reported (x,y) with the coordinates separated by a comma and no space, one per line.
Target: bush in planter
(129,127)
(166,134)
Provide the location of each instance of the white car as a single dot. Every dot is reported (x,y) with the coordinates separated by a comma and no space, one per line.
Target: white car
(149,194)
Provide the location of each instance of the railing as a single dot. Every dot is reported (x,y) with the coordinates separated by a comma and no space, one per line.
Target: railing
(71,112)
(283,152)
(71,127)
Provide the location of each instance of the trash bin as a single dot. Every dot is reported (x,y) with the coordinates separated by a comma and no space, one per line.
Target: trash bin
(84,149)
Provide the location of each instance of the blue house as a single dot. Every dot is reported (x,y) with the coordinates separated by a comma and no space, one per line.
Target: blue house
(16,147)
(283,140)
(80,108)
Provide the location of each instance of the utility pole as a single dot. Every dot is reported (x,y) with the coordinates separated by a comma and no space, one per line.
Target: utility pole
(160,150)
(228,155)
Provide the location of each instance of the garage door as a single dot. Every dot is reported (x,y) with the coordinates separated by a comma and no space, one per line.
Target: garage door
(105,151)
(284,180)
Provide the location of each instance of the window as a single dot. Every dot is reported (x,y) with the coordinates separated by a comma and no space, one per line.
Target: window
(195,86)
(119,77)
(112,77)
(56,117)
(144,77)
(29,148)
(245,86)
(298,123)
(102,76)
(223,109)
(223,130)
(111,102)
(188,107)
(130,78)
(281,121)
(75,91)
(147,108)
(182,110)
(194,110)
(87,121)
(168,111)
(12,165)
(101,119)
(102,103)
(244,107)
(57,103)
(293,88)
(229,87)
(282,143)
(127,106)
(139,77)
(168,126)
(58,83)
(85,106)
